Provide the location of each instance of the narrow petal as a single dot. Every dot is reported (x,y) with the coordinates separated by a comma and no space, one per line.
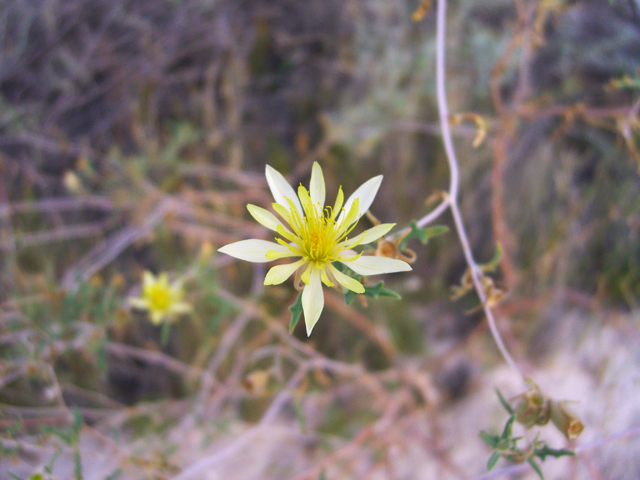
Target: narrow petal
(338,205)
(370,265)
(283,212)
(163,279)
(273,255)
(253,250)
(280,189)
(306,274)
(325,278)
(156,317)
(278,274)
(265,218)
(346,281)
(180,308)
(312,300)
(370,235)
(305,201)
(365,193)
(148,278)
(316,186)
(138,303)
(346,223)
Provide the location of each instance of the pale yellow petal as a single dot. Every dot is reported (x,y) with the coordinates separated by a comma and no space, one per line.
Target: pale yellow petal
(312,300)
(163,279)
(283,212)
(325,278)
(280,189)
(156,317)
(370,235)
(345,222)
(265,217)
(365,193)
(180,308)
(346,281)
(273,255)
(138,303)
(370,265)
(148,278)
(305,201)
(338,205)
(252,250)
(278,274)
(317,186)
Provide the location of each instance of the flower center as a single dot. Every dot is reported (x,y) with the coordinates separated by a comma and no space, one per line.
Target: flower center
(319,238)
(159,297)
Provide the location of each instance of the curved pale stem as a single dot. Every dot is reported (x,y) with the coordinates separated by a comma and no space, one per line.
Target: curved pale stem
(454,183)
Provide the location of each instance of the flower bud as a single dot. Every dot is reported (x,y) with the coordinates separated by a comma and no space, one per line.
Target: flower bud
(532,409)
(565,419)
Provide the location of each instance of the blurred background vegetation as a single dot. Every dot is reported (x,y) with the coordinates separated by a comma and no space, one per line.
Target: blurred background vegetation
(133,134)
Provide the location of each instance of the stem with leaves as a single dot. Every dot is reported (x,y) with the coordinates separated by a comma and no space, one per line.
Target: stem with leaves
(451,201)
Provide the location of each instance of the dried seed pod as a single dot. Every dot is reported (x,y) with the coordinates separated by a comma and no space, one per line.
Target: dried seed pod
(256,381)
(565,419)
(532,409)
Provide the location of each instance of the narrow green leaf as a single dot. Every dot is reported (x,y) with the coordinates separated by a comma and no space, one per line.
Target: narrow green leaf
(536,467)
(494,262)
(15,477)
(379,291)
(506,433)
(114,475)
(296,311)
(504,403)
(493,460)
(348,297)
(491,440)
(423,234)
(544,452)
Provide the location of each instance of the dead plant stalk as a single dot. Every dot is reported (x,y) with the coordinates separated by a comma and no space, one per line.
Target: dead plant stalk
(454,184)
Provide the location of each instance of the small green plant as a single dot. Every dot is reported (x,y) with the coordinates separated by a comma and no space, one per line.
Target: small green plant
(530,410)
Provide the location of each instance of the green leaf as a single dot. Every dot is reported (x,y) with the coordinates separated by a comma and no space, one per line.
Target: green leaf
(544,452)
(348,297)
(15,477)
(504,403)
(494,262)
(379,291)
(296,311)
(323,475)
(374,291)
(493,460)
(506,433)
(536,467)
(114,475)
(491,440)
(423,234)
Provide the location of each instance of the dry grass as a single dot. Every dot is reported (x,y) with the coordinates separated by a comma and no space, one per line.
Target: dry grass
(132,135)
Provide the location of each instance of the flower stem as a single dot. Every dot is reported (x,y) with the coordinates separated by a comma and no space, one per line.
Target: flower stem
(455,181)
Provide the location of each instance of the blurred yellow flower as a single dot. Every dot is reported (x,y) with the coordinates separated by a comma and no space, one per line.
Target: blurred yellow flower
(163,300)
(319,236)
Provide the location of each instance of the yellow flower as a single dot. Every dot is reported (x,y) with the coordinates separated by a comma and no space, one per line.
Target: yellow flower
(163,300)
(319,236)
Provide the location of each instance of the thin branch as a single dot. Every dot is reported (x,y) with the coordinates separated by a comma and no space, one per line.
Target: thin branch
(455,178)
